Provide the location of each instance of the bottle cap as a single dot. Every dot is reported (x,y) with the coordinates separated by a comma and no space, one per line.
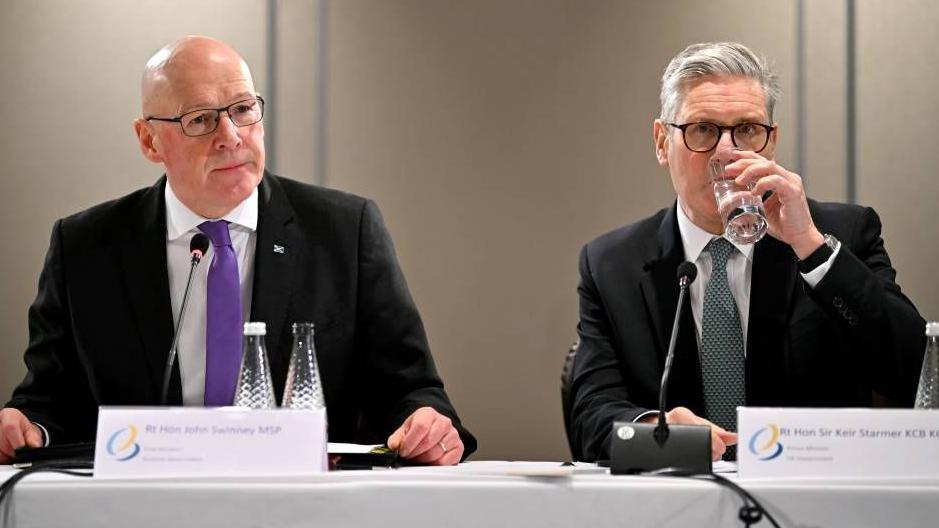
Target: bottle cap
(932,328)
(255,329)
(303,327)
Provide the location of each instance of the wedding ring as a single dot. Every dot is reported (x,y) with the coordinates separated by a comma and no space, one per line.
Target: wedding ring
(442,446)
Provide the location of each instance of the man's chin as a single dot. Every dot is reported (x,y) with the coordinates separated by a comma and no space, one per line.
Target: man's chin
(234,188)
(709,220)
(243,189)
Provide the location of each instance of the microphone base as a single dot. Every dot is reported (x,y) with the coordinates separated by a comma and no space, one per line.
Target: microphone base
(635,449)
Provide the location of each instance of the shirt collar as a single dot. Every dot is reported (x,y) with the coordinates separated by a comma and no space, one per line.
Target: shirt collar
(694,239)
(181,220)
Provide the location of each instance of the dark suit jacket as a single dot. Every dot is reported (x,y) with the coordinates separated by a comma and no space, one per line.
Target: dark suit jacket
(101,325)
(830,346)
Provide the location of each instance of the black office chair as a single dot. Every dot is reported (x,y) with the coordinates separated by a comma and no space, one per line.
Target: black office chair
(567,375)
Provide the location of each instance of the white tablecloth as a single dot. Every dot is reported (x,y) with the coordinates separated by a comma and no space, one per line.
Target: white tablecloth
(475,494)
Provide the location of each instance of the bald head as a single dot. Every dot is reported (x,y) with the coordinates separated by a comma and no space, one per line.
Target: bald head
(212,171)
(181,66)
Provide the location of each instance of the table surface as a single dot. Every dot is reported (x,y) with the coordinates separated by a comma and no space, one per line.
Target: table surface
(485,493)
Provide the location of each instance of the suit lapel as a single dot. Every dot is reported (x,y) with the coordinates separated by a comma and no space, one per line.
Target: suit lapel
(277,252)
(660,292)
(773,280)
(142,257)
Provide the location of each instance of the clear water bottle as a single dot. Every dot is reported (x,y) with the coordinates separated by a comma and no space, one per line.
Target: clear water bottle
(304,389)
(927,395)
(254,388)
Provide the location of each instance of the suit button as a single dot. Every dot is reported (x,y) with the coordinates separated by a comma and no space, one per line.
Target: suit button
(838,302)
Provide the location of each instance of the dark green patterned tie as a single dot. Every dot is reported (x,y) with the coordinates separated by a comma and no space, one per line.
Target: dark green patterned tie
(722,360)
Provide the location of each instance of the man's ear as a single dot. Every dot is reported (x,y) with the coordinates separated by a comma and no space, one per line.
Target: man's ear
(660,138)
(148,142)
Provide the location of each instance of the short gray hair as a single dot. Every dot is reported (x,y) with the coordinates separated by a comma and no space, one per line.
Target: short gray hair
(715,59)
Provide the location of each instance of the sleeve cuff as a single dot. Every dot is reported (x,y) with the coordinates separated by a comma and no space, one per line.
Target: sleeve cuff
(815,276)
(45,434)
(643,415)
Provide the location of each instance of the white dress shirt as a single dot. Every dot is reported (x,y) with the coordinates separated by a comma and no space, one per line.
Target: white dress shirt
(181,225)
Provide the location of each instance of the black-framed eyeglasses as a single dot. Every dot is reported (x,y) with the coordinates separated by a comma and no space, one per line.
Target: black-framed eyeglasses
(703,136)
(205,120)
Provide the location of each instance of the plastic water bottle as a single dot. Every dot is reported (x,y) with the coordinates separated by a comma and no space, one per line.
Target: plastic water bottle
(254,388)
(304,389)
(927,395)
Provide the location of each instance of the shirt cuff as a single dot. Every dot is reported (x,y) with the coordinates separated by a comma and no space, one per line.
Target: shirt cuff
(815,276)
(45,434)
(643,415)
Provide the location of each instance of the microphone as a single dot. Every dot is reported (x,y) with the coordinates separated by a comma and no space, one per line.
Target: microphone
(687,272)
(198,245)
(638,447)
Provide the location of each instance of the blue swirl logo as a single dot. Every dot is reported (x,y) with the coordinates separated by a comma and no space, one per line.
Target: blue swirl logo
(123,446)
(770,447)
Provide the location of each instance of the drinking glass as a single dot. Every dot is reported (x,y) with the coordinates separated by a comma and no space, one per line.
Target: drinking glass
(741,211)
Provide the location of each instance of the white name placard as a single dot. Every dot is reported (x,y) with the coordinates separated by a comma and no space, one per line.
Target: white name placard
(794,442)
(193,441)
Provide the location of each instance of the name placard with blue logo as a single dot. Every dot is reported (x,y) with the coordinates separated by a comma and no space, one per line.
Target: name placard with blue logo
(193,441)
(866,443)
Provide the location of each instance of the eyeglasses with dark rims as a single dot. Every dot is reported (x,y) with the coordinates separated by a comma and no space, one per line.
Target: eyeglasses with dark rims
(205,120)
(702,136)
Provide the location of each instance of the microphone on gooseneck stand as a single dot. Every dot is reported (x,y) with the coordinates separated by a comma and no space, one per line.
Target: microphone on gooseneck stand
(688,452)
(198,245)
(637,447)
(687,272)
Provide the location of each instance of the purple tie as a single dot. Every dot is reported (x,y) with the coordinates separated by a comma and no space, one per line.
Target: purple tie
(223,318)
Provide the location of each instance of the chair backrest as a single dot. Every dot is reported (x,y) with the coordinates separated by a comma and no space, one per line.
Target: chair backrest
(567,375)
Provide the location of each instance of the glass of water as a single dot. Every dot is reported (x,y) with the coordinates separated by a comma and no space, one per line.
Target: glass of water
(741,211)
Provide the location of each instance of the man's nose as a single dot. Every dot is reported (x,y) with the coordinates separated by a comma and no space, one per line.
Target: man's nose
(227,137)
(726,140)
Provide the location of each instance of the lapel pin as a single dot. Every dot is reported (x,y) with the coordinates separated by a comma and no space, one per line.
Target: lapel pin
(279,249)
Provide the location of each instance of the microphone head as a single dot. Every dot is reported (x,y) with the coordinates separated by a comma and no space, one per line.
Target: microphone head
(688,271)
(198,245)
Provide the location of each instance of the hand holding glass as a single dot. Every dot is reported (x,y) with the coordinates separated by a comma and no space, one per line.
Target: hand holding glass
(741,211)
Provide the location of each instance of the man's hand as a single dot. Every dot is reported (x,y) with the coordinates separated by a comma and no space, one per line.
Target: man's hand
(428,437)
(16,431)
(720,438)
(787,211)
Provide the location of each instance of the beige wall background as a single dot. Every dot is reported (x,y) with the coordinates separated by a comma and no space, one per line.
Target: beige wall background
(897,140)
(497,136)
